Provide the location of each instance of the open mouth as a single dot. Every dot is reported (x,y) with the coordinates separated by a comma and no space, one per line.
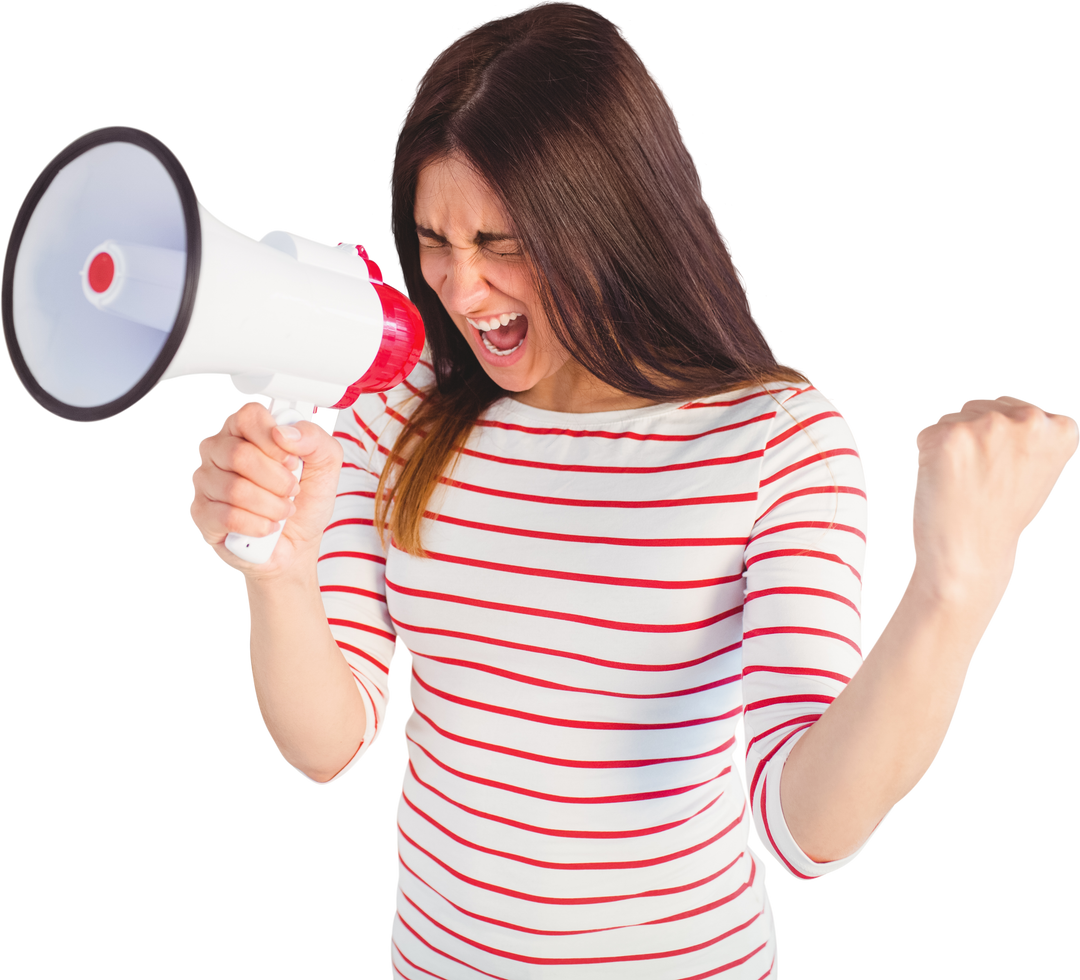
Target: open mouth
(504,339)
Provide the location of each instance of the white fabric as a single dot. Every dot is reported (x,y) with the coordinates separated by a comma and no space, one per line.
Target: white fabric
(581,657)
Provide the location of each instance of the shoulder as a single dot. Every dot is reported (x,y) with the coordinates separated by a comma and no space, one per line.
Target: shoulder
(760,401)
(805,404)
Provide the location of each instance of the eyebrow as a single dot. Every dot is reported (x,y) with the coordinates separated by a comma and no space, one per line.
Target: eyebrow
(481,236)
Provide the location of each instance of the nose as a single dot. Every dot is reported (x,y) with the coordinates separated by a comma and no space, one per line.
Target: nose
(465,288)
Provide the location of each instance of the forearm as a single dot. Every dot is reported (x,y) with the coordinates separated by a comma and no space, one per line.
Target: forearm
(306,692)
(880,735)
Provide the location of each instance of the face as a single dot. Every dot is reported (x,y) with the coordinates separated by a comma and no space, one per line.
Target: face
(470,257)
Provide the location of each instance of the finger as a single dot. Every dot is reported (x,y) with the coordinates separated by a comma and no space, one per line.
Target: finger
(308,441)
(292,440)
(235,457)
(300,439)
(1075,423)
(1016,399)
(229,488)
(254,423)
(245,446)
(217,520)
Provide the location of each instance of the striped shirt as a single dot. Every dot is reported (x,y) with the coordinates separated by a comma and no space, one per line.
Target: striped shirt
(603,596)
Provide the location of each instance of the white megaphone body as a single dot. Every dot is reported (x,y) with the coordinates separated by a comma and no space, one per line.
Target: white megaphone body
(116,277)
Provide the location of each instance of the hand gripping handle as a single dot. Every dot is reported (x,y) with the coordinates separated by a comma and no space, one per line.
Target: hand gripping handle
(258,550)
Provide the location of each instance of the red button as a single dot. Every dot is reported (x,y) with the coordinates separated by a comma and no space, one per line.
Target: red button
(101,271)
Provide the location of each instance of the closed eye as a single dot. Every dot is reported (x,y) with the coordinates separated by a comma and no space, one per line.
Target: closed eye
(490,251)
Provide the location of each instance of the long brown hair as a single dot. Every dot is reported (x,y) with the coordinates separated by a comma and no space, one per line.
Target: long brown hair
(560,117)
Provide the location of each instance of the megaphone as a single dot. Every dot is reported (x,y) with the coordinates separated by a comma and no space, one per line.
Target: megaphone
(116,278)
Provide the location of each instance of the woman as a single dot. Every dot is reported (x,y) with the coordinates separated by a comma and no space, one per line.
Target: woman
(557,516)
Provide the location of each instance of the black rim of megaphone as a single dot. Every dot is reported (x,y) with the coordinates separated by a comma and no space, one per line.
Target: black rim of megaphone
(112,134)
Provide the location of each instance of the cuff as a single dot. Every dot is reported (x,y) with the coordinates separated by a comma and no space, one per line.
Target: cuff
(777,837)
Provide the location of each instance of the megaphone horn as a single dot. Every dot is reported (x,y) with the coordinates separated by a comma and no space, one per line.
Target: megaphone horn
(116,277)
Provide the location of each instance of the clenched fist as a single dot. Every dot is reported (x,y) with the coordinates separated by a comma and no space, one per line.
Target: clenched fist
(984,472)
(245,482)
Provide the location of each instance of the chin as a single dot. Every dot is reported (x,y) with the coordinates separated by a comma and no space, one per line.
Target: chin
(514,389)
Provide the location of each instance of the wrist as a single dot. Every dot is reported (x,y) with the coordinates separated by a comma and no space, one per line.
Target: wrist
(955,587)
(299,573)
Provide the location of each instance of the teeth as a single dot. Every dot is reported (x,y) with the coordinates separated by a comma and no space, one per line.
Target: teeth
(494,323)
(496,350)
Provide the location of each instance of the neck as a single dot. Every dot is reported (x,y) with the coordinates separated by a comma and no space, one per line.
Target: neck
(573,389)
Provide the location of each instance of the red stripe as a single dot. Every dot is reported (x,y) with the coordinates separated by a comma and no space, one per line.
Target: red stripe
(780,727)
(636,437)
(791,699)
(814,490)
(791,867)
(799,671)
(566,655)
(591,960)
(792,430)
(731,966)
(779,528)
(550,760)
(551,685)
(338,434)
(543,899)
(352,590)
(374,710)
(552,832)
(570,866)
(378,559)
(580,577)
(610,624)
(360,626)
(690,913)
(345,522)
(800,590)
(808,461)
(571,723)
(797,552)
(594,539)
(552,798)
(806,630)
(569,501)
(356,649)
(760,769)
(585,468)
(358,493)
(402,975)
(445,955)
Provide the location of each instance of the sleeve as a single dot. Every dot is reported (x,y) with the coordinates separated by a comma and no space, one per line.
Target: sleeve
(352,561)
(801,620)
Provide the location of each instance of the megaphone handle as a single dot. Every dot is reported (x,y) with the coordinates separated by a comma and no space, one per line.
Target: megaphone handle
(258,550)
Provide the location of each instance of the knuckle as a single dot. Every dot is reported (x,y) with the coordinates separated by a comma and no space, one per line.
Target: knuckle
(234,521)
(233,488)
(241,522)
(243,454)
(243,492)
(251,415)
(243,457)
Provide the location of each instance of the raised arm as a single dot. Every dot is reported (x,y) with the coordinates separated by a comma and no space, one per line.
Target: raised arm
(983,475)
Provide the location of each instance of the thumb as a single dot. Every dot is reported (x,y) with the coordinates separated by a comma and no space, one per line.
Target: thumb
(319,451)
